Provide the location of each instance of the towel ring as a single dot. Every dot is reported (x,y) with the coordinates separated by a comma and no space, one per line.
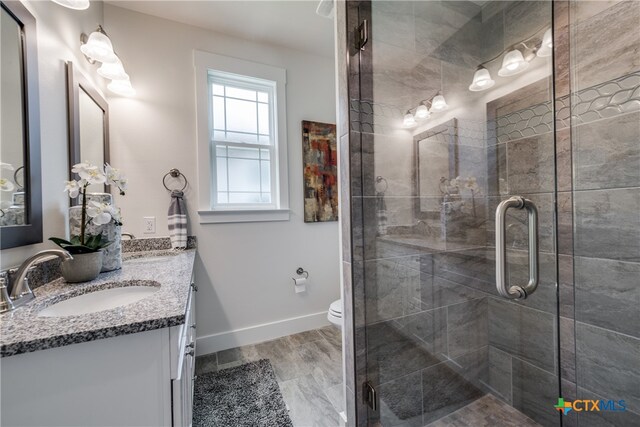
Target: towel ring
(175,173)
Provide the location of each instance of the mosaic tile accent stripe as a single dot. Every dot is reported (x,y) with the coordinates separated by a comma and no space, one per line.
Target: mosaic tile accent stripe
(612,98)
(525,123)
(385,119)
(605,100)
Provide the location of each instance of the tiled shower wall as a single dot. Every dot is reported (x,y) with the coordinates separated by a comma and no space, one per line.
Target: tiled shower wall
(598,167)
(600,325)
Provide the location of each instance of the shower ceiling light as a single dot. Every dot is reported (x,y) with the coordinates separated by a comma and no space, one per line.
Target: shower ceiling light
(122,87)
(512,64)
(409,121)
(546,48)
(438,104)
(98,47)
(481,80)
(422,112)
(113,70)
(73,4)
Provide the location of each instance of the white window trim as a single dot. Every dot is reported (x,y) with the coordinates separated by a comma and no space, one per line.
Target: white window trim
(203,62)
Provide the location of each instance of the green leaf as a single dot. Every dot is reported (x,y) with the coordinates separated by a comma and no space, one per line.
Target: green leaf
(60,242)
(79,249)
(75,240)
(94,241)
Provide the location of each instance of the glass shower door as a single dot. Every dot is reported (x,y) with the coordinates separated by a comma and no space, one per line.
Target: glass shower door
(455,120)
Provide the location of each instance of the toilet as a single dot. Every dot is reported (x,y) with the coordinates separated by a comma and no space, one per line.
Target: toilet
(335,313)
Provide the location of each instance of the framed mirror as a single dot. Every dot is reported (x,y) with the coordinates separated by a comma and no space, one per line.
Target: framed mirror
(436,154)
(20,173)
(88,123)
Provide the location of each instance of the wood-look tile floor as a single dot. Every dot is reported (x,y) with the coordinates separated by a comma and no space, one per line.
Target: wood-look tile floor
(308,367)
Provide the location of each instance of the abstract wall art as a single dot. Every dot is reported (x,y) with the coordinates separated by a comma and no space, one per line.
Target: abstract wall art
(320,172)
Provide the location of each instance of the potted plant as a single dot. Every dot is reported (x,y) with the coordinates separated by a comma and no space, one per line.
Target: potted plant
(86,247)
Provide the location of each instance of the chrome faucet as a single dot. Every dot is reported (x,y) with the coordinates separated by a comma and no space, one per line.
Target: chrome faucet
(20,292)
(129,235)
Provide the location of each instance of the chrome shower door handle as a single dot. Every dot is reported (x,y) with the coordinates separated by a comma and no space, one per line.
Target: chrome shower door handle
(516,292)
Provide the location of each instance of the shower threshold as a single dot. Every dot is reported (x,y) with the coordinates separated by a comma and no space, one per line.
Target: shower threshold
(487,411)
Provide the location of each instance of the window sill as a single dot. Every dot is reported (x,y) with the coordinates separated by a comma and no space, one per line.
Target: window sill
(246,215)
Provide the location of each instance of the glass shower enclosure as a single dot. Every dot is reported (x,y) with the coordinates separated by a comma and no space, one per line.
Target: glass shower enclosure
(491,212)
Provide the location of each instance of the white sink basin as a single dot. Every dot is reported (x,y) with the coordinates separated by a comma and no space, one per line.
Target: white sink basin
(92,302)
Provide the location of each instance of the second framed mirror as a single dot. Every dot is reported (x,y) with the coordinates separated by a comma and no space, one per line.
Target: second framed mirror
(88,123)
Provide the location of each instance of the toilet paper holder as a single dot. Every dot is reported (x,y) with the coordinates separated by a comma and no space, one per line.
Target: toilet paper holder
(300,271)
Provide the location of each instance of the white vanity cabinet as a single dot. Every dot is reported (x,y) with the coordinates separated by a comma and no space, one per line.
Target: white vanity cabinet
(138,379)
(184,360)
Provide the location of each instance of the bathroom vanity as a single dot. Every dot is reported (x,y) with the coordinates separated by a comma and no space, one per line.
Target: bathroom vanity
(117,351)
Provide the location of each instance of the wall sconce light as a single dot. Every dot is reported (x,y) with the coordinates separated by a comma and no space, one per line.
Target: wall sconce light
(513,63)
(409,121)
(422,112)
(546,47)
(122,87)
(113,70)
(438,104)
(73,4)
(481,80)
(97,47)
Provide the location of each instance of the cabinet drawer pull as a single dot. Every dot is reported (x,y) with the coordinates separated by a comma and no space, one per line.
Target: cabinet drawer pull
(195,377)
(192,345)
(194,287)
(189,353)
(193,326)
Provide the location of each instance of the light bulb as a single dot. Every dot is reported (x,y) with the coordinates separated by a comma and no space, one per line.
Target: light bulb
(512,64)
(122,87)
(422,112)
(481,80)
(99,48)
(438,104)
(546,48)
(409,120)
(113,70)
(73,4)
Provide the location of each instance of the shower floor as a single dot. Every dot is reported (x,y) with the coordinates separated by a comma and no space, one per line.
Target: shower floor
(487,411)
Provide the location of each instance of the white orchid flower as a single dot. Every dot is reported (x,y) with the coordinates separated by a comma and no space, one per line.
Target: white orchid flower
(116,214)
(6,185)
(7,166)
(92,174)
(115,177)
(100,213)
(73,188)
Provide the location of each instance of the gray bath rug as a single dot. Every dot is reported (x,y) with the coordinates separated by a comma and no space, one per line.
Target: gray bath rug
(247,395)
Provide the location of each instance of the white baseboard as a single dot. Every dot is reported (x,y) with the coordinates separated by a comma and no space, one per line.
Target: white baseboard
(259,333)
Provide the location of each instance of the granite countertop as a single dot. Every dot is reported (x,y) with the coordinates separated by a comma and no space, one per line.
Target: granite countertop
(22,331)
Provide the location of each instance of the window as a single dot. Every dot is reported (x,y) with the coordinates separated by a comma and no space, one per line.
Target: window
(243,144)
(242,152)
